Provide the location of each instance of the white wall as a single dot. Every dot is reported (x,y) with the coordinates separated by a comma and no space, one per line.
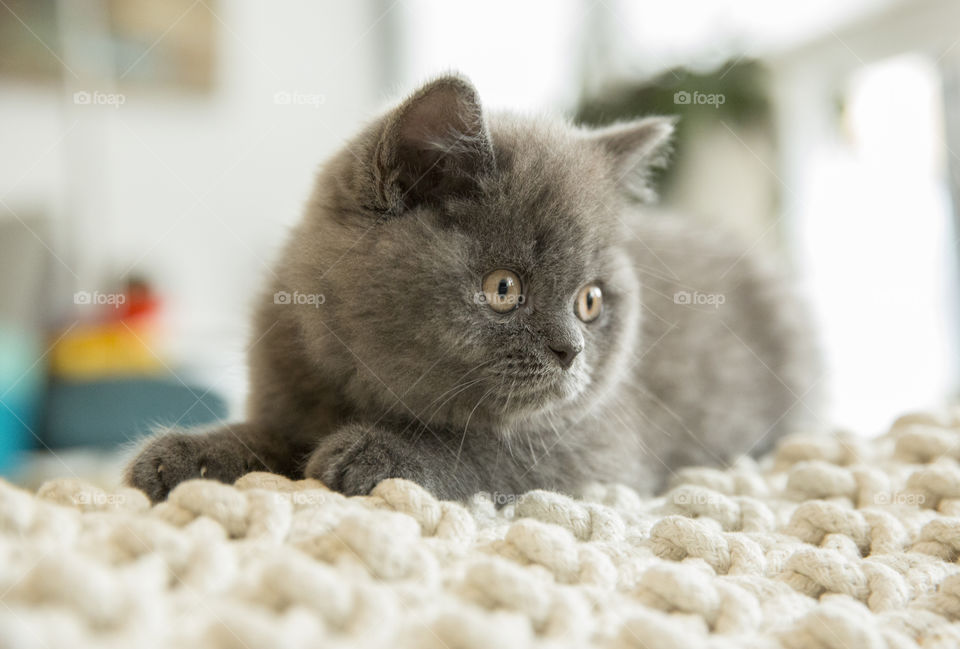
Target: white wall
(194,192)
(520,55)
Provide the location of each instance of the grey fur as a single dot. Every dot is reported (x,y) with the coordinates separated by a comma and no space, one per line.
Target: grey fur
(402,372)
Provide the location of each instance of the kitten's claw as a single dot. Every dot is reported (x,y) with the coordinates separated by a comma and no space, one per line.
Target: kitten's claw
(172,458)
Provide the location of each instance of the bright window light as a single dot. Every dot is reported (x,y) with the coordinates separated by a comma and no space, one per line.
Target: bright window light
(520,55)
(879,245)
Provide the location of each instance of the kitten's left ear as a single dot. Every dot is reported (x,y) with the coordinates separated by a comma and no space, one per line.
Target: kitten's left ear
(433,146)
(636,148)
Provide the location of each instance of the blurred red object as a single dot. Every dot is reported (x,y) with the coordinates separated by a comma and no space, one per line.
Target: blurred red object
(141,302)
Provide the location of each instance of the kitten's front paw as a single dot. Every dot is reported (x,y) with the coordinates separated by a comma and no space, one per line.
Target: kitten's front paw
(172,458)
(355,459)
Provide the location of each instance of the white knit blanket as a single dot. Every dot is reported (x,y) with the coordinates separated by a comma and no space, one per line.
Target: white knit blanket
(829,542)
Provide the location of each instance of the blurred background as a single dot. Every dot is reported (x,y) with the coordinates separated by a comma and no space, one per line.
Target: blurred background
(154,154)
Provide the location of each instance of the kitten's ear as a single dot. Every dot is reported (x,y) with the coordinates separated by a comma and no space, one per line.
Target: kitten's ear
(433,146)
(637,148)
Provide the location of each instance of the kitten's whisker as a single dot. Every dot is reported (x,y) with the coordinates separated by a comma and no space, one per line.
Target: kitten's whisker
(533,455)
(399,400)
(456,385)
(467,425)
(459,389)
(462,388)
(506,404)
(553,426)
(445,393)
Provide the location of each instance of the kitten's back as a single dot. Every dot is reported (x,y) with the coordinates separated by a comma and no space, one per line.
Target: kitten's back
(727,361)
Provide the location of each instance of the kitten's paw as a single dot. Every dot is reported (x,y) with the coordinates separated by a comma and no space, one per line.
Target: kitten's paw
(172,458)
(354,460)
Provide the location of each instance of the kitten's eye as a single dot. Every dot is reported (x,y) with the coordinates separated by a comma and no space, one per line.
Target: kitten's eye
(589,303)
(502,290)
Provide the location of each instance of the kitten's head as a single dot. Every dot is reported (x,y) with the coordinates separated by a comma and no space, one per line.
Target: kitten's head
(471,264)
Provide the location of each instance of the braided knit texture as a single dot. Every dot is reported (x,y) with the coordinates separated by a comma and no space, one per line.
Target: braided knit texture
(830,541)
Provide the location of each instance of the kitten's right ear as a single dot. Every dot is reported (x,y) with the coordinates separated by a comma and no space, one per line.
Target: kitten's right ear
(433,146)
(636,148)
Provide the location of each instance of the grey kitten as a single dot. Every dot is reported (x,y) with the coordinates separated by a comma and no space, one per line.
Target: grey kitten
(497,314)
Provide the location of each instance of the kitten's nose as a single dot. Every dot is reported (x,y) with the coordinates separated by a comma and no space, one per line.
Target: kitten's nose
(565,353)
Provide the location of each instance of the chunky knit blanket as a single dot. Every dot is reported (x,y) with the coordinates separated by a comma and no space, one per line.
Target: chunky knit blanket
(829,542)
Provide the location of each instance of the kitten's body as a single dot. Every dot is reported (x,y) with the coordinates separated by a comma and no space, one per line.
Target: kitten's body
(402,372)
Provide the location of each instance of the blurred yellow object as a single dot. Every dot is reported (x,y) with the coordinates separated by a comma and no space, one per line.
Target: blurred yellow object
(109,349)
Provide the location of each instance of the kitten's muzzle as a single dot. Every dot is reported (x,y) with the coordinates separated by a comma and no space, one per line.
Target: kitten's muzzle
(565,352)
(562,339)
